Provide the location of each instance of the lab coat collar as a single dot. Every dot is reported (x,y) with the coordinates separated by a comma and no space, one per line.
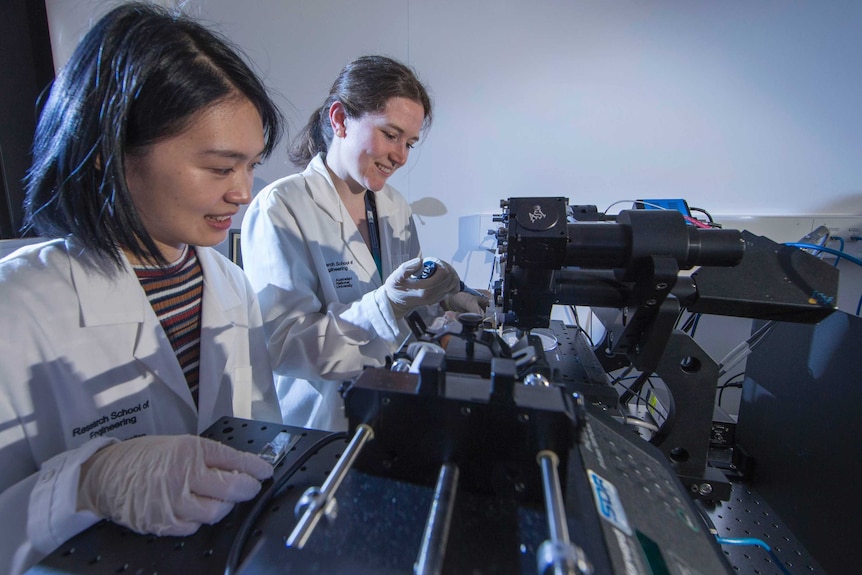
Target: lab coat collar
(112,297)
(322,188)
(223,295)
(105,301)
(324,194)
(106,295)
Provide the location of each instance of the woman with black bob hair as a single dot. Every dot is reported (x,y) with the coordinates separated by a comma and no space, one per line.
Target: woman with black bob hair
(134,81)
(126,334)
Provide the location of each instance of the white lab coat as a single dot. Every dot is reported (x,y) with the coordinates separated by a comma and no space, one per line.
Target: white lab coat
(85,362)
(324,316)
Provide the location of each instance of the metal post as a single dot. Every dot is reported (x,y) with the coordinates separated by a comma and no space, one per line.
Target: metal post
(436,535)
(557,555)
(322,501)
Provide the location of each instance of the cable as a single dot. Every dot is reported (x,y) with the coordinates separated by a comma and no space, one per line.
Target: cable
(744,541)
(635,389)
(729,383)
(659,432)
(638,422)
(696,323)
(742,350)
(631,392)
(232,563)
(669,421)
(632,202)
(834,252)
(628,369)
(703,211)
(729,380)
(691,324)
(679,315)
(695,222)
(840,239)
(491,276)
(722,387)
(574,312)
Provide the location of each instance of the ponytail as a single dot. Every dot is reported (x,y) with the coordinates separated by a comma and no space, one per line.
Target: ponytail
(313,139)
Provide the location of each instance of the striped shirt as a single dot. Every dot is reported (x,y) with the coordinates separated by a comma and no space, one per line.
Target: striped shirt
(176,292)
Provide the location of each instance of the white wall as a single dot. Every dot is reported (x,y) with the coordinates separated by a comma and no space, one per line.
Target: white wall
(741,107)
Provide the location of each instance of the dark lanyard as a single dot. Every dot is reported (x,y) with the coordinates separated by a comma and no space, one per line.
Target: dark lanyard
(373,230)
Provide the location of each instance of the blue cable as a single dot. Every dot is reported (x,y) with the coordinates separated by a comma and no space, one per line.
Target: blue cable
(858,305)
(838,253)
(694,324)
(757,542)
(840,239)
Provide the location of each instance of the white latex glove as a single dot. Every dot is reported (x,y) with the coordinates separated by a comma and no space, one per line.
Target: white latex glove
(465,302)
(406,292)
(168,485)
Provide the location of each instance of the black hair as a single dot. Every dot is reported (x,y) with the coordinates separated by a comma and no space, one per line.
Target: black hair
(138,77)
(364,86)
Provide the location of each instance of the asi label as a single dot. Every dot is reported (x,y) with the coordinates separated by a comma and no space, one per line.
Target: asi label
(608,502)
